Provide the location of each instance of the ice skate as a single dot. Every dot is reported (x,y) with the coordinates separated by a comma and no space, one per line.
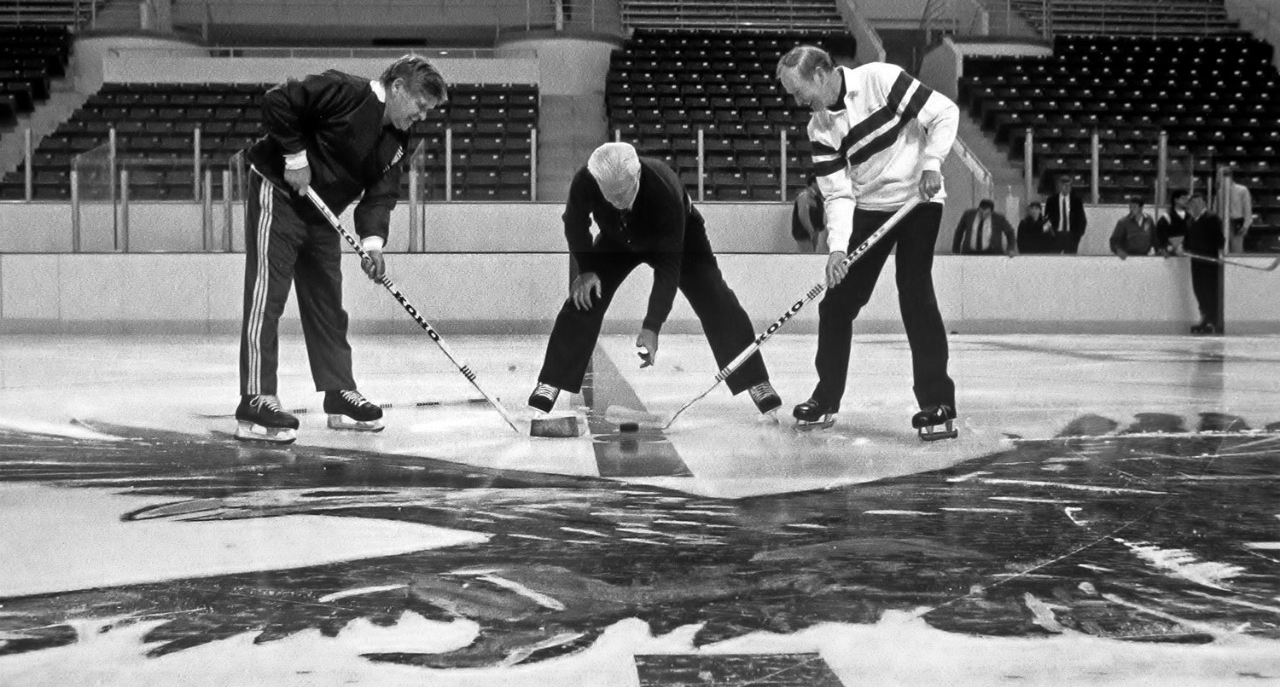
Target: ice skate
(260,418)
(348,410)
(1204,328)
(543,397)
(765,398)
(812,415)
(928,421)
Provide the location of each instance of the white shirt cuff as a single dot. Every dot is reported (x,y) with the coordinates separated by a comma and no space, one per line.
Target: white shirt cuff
(296,160)
(370,243)
(931,164)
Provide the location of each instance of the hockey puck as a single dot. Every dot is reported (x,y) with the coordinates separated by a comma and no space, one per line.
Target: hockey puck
(629,427)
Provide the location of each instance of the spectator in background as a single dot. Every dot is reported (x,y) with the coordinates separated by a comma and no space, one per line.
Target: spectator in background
(1133,233)
(1035,231)
(808,223)
(1065,210)
(983,232)
(1172,228)
(1204,238)
(1241,210)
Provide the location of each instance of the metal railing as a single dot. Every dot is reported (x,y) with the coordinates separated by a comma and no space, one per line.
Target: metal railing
(595,16)
(105,182)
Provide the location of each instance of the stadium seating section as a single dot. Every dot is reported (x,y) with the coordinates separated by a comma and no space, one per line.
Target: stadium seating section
(665,85)
(26,13)
(1217,97)
(788,15)
(29,57)
(155,125)
(1133,17)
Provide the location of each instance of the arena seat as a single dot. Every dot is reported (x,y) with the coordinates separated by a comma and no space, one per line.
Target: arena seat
(1217,97)
(665,85)
(155,126)
(1127,17)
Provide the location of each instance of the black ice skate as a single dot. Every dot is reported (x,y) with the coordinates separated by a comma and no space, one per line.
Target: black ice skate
(260,418)
(812,415)
(1204,328)
(927,422)
(349,410)
(765,398)
(543,397)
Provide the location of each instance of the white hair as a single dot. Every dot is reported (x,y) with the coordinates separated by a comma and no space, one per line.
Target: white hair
(614,165)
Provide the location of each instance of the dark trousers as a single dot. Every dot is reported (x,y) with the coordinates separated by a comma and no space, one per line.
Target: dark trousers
(1206,280)
(280,247)
(725,323)
(1065,243)
(915,237)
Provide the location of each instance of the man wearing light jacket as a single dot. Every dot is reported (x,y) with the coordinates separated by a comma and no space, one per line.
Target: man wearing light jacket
(344,137)
(879,138)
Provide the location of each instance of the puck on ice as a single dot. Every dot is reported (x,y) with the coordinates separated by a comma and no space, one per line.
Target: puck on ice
(629,427)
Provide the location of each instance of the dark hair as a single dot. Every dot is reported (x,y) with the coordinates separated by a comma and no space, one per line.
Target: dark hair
(420,76)
(1138,201)
(805,59)
(986,204)
(1034,204)
(1174,196)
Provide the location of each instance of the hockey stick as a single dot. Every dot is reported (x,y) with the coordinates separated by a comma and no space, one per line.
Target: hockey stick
(408,307)
(1223,261)
(795,307)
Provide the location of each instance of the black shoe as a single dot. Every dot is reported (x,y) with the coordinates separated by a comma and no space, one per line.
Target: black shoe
(348,409)
(543,397)
(766,399)
(260,418)
(935,422)
(812,412)
(1204,328)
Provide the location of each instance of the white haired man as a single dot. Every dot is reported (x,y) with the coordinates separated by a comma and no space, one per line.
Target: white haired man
(879,137)
(644,216)
(345,137)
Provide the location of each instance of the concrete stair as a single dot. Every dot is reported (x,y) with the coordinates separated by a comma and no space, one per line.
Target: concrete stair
(569,128)
(62,102)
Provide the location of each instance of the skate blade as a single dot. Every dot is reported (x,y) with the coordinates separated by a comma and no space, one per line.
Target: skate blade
(930,434)
(346,424)
(248,431)
(802,426)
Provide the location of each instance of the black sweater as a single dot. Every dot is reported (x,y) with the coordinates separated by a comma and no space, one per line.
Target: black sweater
(337,119)
(655,228)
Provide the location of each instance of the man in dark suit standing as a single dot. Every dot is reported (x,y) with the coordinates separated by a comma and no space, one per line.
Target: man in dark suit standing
(1065,210)
(1205,238)
(983,232)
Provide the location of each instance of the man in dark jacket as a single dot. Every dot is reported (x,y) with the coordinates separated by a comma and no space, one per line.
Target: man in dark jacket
(1035,232)
(1171,229)
(983,232)
(644,216)
(1133,232)
(1204,238)
(342,136)
(1065,210)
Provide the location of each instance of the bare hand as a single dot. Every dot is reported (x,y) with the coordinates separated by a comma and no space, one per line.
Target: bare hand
(375,266)
(836,269)
(647,340)
(298,179)
(930,183)
(583,286)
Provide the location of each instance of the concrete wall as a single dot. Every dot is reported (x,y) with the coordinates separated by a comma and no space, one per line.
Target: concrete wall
(201,293)
(566,66)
